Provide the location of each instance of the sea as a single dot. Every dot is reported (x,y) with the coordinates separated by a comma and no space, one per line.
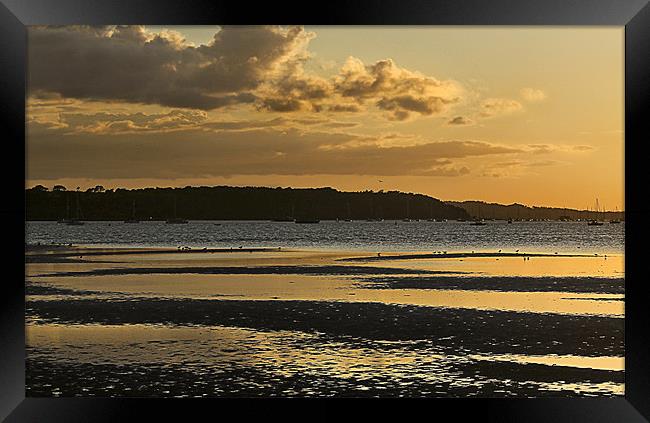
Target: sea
(383,236)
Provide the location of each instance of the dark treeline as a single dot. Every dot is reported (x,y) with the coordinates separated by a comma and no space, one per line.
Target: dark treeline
(232,203)
(479,209)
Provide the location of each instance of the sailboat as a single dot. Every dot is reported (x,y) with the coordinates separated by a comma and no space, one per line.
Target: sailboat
(349,219)
(66,219)
(306,218)
(75,221)
(478,221)
(176,220)
(132,219)
(431,219)
(615,220)
(408,210)
(595,222)
(372,211)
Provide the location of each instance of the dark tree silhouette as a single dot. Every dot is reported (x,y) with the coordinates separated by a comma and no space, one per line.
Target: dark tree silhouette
(238,203)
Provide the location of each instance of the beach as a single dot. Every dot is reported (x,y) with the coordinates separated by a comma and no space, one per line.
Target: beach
(296,322)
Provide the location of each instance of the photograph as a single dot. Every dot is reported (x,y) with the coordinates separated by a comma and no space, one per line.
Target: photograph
(422,211)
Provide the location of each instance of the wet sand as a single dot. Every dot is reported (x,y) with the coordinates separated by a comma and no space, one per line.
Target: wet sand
(479,331)
(321,323)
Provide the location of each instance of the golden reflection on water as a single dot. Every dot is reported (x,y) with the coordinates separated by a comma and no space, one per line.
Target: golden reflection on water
(601,363)
(289,353)
(612,266)
(284,353)
(331,288)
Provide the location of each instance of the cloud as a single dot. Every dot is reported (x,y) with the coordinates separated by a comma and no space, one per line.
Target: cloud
(533,95)
(262,151)
(397,90)
(119,122)
(260,66)
(344,108)
(541,148)
(515,168)
(460,121)
(127,63)
(335,124)
(499,106)
(402,106)
(552,148)
(244,125)
(173,120)
(281,104)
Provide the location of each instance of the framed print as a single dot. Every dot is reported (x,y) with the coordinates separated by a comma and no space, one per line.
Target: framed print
(395,200)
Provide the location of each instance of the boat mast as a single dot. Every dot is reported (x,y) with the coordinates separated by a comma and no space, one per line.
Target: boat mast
(78,212)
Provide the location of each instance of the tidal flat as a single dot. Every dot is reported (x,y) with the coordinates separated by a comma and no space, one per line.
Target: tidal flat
(273,322)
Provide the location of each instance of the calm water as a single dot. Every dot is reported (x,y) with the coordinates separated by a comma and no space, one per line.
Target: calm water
(260,324)
(364,236)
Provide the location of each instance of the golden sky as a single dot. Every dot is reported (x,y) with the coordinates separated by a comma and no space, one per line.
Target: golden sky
(532,115)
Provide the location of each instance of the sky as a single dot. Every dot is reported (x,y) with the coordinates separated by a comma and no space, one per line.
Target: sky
(532,115)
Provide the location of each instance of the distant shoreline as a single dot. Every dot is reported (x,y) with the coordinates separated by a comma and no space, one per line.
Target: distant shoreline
(266,203)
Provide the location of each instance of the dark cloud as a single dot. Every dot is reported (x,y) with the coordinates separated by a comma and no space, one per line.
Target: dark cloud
(460,121)
(344,108)
(283,105)
(258,65)
(264,151)
(335,124)
(402,106)
(400,92)
(129,64)
(394,89)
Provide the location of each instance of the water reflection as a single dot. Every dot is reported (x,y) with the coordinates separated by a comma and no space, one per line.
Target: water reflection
(285,355)
(208,360)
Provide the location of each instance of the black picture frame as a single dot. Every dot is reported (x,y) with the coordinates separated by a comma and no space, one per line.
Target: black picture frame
(633,14)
